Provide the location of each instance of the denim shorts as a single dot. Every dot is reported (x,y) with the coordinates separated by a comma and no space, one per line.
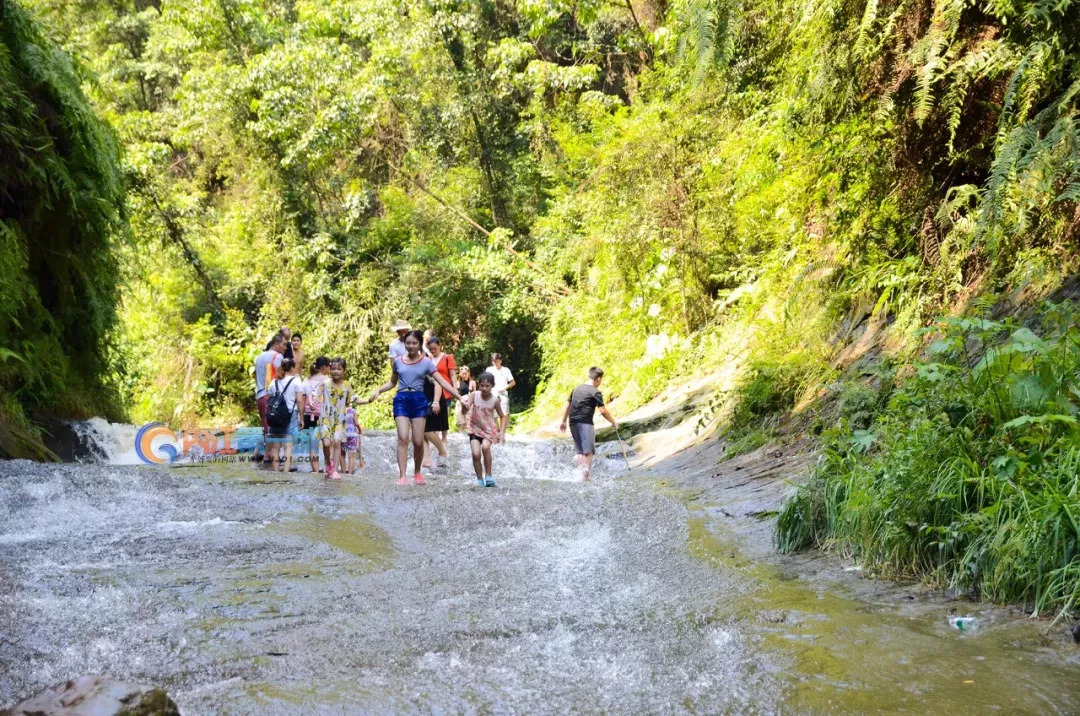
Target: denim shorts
(410,404)
(284,436)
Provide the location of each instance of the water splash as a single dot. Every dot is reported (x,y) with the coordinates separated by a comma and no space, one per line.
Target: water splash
(111,443)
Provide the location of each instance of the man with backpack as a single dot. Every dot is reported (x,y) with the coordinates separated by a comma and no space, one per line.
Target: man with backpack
(285,406)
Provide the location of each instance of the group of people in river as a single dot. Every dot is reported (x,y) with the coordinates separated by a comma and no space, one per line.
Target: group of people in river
(426,381)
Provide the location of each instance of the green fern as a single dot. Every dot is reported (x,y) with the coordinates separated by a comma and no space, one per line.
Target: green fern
(60,199)
(1035,71)
(991,59)
(928,50)
(707,42)
(1037,163)
(866,26)
(933,54)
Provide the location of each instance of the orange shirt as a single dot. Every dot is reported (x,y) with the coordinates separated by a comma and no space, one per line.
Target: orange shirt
(446,367)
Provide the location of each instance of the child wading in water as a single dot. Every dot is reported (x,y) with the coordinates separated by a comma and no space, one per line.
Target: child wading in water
(352,444)
(486,423)
(336,394)
(320,373)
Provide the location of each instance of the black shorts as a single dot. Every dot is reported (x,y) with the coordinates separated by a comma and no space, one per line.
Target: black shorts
(310,421)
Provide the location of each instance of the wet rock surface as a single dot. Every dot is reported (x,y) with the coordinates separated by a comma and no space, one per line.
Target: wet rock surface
(244,591)
(93,695)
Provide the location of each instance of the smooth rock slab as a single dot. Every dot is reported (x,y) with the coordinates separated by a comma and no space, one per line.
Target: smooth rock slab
(97,696)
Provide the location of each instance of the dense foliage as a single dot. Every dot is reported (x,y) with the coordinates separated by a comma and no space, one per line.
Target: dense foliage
(622,180)
(60,191)
(333,165)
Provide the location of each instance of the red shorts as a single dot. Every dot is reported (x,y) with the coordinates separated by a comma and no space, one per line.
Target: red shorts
(262,403)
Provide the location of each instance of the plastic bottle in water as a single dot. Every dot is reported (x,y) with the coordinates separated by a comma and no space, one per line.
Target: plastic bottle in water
(963,623)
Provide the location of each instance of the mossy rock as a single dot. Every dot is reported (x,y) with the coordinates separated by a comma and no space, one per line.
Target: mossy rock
(19,443)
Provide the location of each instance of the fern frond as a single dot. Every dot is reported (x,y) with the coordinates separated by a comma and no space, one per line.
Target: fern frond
(708,41)
(1070,193)
(887,29)
(927,77)
(865,28)
(1037,163)
(703,27)
(989,60)
(958,200)
(950,12)
(1038,65)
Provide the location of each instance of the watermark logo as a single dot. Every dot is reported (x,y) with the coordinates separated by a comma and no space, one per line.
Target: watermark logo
(155,444)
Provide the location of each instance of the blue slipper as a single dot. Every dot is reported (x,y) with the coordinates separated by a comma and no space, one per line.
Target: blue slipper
(480,482)
(489,481)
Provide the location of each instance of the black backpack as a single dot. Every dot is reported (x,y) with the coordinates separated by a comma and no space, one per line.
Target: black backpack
(278,415)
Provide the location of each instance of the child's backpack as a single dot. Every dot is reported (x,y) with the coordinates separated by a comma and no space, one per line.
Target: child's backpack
(313,406)
(278,415)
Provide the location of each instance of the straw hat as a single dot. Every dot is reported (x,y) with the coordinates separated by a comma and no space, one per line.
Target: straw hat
(400,325)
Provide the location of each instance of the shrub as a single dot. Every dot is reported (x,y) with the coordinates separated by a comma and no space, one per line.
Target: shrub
(972,475)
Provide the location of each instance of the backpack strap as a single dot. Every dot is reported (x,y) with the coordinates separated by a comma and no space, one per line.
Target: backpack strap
(282,391)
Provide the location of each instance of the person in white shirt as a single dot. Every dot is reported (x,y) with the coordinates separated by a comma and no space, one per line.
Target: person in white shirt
(291,386)
(504,381)
(397,346)
(320,373)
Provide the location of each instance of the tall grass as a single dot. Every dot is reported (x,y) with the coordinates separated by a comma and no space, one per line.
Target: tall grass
(970,477)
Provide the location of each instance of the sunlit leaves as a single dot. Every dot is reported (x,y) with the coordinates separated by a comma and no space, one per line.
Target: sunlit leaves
(310,102)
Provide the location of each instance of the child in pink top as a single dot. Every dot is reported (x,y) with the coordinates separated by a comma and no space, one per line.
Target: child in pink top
(486,423)
(352,443)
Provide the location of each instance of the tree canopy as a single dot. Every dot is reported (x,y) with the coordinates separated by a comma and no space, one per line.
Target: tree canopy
(568,183)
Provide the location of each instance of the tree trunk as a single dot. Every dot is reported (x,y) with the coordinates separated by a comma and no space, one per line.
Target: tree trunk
(498,207)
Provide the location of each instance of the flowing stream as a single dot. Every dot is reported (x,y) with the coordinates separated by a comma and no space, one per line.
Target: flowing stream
(246,591)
